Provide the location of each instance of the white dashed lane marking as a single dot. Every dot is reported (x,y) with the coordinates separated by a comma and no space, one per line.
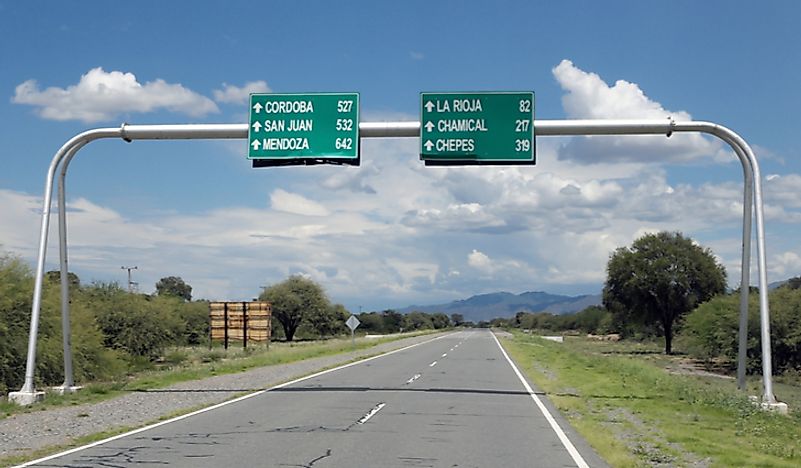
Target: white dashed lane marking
(371,413)
(415,377)
(433,364)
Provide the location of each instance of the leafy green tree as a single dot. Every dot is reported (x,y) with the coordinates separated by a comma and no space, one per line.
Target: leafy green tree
(294,300)
(328,321)
(793,283)
(136,324)
(711,331)
(393,321)
(174,286)
(371,322)
(54,277)
(660,278)
(457,319)
(440,320)
(593,319)
(417,321)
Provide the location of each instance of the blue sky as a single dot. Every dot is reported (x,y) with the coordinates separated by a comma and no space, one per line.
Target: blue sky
(392,232)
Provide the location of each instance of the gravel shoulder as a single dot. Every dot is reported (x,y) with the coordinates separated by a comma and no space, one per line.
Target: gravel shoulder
(21,434)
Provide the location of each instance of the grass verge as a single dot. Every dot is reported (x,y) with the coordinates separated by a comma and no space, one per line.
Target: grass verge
(635,413)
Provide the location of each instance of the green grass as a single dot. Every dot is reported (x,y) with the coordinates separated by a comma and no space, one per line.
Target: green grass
(622,399)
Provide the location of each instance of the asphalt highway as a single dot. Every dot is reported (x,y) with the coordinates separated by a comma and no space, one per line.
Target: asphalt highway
(455,401)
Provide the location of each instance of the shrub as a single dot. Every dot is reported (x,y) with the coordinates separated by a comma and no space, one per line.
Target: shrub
(711,330)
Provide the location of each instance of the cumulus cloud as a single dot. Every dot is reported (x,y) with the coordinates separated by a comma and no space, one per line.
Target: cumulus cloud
(455,217)
(590,97)
(785,265)
(480,261)
(231,94)
(281,200)
(101,95)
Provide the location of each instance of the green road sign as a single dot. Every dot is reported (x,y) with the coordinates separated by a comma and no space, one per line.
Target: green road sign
(296,128)
(477,128)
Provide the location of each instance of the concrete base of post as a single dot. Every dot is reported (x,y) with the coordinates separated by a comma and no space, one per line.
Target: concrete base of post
(774,407)
(25,398)
(62,389)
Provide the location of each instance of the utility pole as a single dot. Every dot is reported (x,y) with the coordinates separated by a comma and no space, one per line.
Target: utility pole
(130,283)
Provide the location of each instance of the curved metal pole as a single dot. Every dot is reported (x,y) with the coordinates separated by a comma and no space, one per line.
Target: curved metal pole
(69,381)
(80,139)
(736,141)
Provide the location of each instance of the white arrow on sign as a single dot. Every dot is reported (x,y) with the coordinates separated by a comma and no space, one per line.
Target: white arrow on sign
(255,144)
(429,126)
(353,322)
(256,127)
(429,106)
(257,107)
(428,145)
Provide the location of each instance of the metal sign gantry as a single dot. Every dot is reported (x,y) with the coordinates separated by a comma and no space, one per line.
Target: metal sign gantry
(752,198)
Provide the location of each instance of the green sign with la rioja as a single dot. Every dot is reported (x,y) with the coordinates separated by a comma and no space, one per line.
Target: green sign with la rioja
(477,128)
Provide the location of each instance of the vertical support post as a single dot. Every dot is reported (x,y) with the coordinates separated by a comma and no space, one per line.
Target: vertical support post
(225,325)
(745,284)
(244,325)
(66,332)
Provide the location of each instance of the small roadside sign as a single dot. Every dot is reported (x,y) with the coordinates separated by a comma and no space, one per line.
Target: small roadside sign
(353,323)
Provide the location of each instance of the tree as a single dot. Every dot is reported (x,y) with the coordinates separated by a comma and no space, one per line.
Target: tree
(54,276)
(793,283)
(417,321)
(457,319)
(294,300)
(660,278)
(393,321)
(440,320)
(174,286)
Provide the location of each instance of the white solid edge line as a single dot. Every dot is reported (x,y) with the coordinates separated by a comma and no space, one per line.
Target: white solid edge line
(571,449)
(220,405)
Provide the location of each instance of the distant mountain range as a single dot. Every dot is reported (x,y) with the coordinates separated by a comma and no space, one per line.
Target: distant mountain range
(506,304)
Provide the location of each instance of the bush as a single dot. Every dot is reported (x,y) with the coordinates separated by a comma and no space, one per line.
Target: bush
(139,325)
(711,331)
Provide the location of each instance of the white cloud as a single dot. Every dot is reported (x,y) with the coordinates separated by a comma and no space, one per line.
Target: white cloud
(281,200)
(783,189)
(785,265)
(231,94)
(101,95)
(479,260)
(589,97)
